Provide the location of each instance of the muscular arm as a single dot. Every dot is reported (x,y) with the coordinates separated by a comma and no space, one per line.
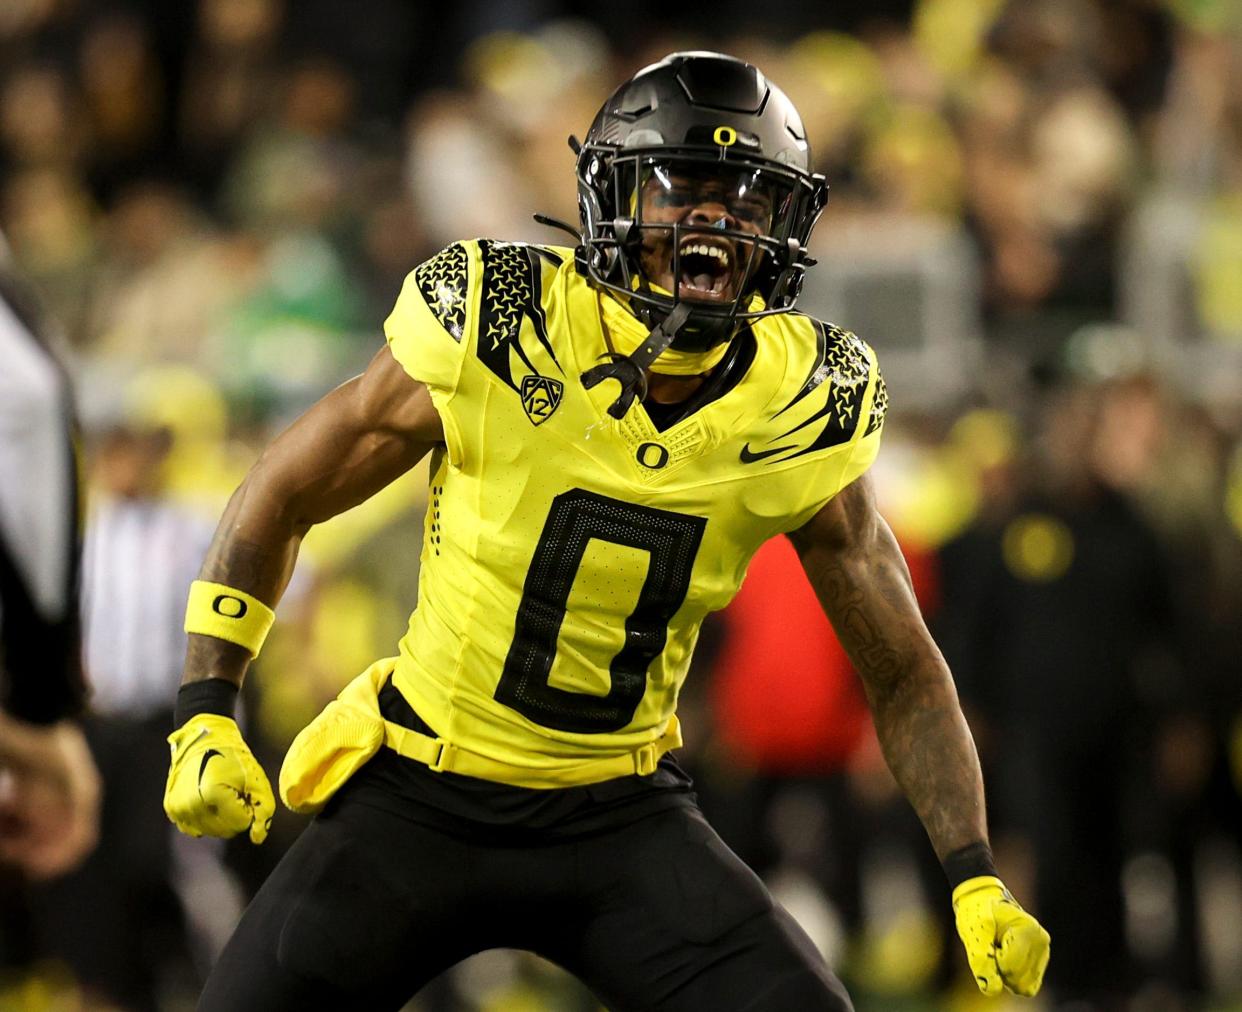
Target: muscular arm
(362,436)
(853,562)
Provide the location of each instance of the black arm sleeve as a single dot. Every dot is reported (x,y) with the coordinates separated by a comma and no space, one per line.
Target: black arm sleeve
(40,647)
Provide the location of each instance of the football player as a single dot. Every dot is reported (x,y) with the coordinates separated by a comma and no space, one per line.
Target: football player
(614,430)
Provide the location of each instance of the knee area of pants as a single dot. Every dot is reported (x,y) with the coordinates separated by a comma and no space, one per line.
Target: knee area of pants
(805,992)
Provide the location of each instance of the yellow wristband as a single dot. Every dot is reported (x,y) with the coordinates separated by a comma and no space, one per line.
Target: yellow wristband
(228,614)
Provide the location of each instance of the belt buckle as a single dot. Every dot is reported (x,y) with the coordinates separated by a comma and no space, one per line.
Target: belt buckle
(645,761)
(443,754)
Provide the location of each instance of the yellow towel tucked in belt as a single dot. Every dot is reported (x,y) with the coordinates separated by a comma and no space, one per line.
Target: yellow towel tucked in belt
(333,746)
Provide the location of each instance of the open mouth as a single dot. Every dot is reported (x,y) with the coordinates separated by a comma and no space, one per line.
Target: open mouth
(707,268)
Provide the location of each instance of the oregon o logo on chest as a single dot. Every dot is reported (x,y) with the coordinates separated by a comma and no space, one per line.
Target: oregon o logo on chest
(652,455)
(229,606)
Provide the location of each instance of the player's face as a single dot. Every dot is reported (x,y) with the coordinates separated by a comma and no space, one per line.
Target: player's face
(702,200)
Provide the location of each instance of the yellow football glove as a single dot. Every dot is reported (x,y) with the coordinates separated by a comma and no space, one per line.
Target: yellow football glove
(1005,946)
(215,786)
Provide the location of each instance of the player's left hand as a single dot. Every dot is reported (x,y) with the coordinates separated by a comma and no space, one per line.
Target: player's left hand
(1005,946)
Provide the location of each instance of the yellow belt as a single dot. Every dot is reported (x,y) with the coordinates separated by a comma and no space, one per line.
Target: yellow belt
(440,755)
(351,729)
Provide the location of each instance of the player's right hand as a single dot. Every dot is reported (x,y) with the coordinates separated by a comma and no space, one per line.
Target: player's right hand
(49,797)
(215,786)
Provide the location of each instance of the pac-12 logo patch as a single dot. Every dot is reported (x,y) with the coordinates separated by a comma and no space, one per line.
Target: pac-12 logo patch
(541,396)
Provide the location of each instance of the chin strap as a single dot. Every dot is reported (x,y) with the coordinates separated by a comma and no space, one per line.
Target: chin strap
(631,370)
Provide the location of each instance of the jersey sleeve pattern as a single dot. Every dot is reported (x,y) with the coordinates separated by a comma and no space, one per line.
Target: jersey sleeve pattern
(841,398)
(442,280)
(429,326)
(512,284)
(879,406)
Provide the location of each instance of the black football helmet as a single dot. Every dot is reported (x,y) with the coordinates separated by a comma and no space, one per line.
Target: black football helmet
(696,126)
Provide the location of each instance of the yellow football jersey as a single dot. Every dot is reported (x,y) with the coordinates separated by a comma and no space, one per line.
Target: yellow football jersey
(569,558)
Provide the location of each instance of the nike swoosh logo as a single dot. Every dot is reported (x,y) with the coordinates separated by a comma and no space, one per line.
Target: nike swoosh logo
(749,456)
(185,745)
(202,767)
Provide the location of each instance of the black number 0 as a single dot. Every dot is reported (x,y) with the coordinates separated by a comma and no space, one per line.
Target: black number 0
(576,517)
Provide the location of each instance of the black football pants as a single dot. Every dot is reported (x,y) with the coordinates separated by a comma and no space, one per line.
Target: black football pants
(367,907)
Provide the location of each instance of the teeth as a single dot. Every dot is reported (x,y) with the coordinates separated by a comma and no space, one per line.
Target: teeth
(708,251)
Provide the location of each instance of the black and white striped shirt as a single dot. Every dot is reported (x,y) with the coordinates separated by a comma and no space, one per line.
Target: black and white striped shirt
(139,559)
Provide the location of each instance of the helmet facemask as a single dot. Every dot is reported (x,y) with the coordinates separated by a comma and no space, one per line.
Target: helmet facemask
(731,231)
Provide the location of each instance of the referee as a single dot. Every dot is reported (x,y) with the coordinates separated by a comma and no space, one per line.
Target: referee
(49,789)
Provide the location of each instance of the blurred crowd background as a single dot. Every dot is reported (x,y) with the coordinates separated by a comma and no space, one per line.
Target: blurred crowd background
(1035,218)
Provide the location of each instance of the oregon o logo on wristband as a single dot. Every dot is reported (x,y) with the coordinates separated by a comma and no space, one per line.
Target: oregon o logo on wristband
(229,606)
(227,613)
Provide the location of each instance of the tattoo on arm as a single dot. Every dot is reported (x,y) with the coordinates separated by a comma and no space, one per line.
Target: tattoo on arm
(860,577)
(259,567)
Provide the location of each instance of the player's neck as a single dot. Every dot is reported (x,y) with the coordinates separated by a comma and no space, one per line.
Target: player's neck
(679,382)
(666,389)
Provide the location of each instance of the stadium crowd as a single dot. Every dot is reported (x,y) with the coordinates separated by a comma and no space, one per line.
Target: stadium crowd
(1035,218)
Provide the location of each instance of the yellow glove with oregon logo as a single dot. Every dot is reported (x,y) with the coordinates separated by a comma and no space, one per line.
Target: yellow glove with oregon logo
(215,786)
(1005,946)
